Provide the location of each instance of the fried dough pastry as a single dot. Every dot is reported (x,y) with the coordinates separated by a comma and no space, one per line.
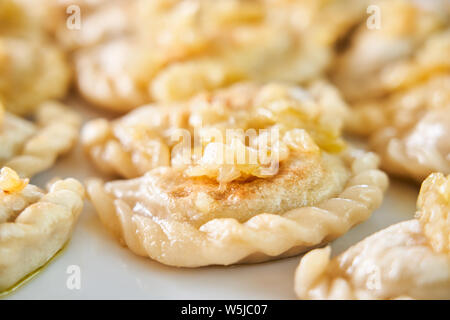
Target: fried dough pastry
(217,210)
(32,69)
(409,260)
(34,225)
(179,48)
(31,147)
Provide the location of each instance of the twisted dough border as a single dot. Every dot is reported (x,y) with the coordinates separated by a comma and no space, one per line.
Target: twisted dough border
(39,231)
(56,135)
(106,152)
(263,237)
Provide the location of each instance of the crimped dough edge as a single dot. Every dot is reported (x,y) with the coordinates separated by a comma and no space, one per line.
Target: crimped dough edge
(263,237)
(56,134)
(39,231)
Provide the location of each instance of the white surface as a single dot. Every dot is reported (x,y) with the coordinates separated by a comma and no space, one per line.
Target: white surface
(109,271)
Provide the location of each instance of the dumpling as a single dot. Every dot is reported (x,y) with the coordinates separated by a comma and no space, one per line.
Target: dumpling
(179,48)
(410,88)
(34,225)
(417,139)
(282,183)
(411,129)
(409,48)
(31,147)
(397,80)
(370,64)
(409,260)
(32,69)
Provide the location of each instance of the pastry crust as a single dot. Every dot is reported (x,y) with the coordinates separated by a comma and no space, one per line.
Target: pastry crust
(32,69)
(34,226)
(31,147)
(408,260)
(208,212)
(181,48)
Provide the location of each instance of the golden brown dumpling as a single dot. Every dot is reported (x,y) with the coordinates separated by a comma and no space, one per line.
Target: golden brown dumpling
(218,208)
(32,69)
(409,260)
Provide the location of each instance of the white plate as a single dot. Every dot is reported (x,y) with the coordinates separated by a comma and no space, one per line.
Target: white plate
(109,271)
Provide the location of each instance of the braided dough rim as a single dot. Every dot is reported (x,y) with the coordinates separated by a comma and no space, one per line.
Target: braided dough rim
(105,152)
(227,241)
(40,152)
(46,224)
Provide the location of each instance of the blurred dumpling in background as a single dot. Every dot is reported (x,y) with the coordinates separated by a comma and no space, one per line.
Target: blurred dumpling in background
(416,139)
(99,20)
(411,125)
(397,80)
(32,69)
(130,53)
(367,66)
(184,47)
